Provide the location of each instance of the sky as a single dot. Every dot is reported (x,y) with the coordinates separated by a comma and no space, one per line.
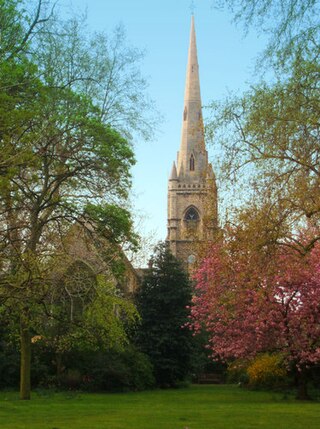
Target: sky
(161,28)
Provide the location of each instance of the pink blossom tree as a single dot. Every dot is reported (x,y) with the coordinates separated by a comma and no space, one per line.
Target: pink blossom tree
(251,302)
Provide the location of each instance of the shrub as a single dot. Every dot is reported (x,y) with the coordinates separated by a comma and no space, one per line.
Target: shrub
(267,370)
(119,370)
(106,370)
(9,359)
(237,372)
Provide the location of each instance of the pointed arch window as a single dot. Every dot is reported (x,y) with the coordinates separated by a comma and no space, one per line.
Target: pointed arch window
(192,214)
(191,162)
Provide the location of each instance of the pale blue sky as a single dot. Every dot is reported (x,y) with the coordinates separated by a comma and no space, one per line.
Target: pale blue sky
(226,62)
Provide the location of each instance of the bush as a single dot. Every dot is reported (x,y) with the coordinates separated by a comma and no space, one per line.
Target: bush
(109,370)
(267,370)
(9,359)
(9,366)
(237,372)
(71,380)
(119,370)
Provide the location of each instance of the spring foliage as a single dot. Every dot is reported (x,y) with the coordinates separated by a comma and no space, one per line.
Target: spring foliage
(252,303)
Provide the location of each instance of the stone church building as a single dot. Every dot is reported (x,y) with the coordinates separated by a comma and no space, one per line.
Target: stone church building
(192,206)
(192,191)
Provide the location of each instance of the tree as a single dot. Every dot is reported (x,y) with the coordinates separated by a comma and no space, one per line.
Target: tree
(289,23)
(162,302)
(270,139)
(270,134)
(19,26)
(101,66)
(253,302)
(61,164)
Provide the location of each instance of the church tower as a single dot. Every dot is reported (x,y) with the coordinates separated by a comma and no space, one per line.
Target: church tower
(192,192)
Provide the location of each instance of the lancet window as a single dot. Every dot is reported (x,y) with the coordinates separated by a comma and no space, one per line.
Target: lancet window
(191,162)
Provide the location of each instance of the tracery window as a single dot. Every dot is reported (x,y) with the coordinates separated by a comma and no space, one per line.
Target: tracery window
(191,214)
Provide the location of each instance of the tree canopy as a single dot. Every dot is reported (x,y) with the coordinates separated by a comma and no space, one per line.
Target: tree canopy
(269,138)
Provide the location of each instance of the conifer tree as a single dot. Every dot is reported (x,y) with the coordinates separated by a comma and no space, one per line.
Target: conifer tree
(163,301)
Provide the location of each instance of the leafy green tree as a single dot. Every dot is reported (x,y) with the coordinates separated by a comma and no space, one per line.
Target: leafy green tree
(61,164)
(162,302)
(18,26)
(103,67)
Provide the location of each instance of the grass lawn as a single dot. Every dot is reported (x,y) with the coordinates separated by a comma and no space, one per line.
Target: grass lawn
(196,407)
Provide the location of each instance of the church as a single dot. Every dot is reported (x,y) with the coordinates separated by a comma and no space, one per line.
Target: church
(192,200)
(192,191)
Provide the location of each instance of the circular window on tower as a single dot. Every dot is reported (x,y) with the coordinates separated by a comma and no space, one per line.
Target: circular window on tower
(191,259)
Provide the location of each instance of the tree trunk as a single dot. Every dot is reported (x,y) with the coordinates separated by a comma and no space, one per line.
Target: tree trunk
(25,356)
(302,384)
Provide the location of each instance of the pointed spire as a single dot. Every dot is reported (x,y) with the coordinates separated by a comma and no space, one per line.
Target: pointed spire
(192,140)
(173,175)
(192,88)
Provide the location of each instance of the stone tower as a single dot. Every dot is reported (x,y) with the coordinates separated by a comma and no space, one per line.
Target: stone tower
(192,192)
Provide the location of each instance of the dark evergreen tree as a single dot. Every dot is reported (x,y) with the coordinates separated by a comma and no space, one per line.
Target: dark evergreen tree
(163,301)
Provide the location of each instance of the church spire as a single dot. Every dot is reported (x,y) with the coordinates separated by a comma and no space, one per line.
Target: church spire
(192,155)
(192,191)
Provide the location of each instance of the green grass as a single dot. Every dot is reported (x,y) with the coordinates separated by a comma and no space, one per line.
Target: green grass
(196,407)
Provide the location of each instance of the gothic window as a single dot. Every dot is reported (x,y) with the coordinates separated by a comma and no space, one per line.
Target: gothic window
(191,214)
(185,114)
(78,289)
(191,162)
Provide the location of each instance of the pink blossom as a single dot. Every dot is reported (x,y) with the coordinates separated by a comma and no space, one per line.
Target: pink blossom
(249,307)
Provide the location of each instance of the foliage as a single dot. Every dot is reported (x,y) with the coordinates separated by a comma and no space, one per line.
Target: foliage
(253,301)
(162,302)
(266,370)
(288,23)
(97,317)
(9,359)
(237,372)
(269,136)
(88,369)
(271,149)
(92,369)
(115,221)
(102,67)
(61,152)
(263,279)
(118,370)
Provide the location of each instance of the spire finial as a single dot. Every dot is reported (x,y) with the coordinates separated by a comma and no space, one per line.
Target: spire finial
(192,7)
